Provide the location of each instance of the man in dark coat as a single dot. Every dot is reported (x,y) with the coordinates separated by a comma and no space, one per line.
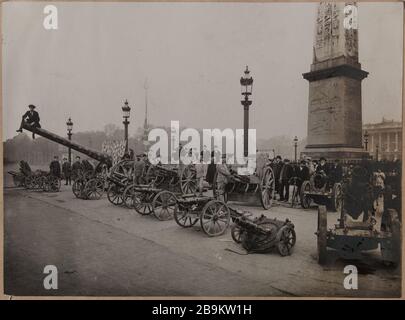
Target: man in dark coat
(67,171)
(277,165)
(54,167)
(302,172)
(287,172)
(77,168)
(336,172)
(322,166)
(31,117)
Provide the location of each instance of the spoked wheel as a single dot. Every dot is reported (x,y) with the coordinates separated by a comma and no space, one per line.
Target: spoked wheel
(236,233)
(215,218)
(53,184)
(188,181)
(123,168)
(164,204)
(115,194)
(337,197)
(128,196)
(322,235)
(184,217)
(77,187)
(294,197)
(94,189)
(142,203)
(305,198)
(267,188)
(286,239)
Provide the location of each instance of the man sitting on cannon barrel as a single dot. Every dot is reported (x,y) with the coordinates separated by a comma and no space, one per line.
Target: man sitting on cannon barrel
(31,118)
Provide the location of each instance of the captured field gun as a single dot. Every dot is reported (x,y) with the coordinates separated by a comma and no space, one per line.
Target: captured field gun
(263,234)
(35,180)
(367,221)
(256,188)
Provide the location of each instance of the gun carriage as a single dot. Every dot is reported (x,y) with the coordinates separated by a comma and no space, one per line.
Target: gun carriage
(255,188)
(262,234)
(35,180)
(367,221)
(322,190)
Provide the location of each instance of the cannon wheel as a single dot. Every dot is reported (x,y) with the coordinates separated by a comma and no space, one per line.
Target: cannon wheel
(152,175)
(236,233)
(337,199)
(184,218)
(18,180)
(188,180)
(123,168)
(142,203)
(393,256)
(77,187)
(322,235)
(215,218)
(52,184)
(286,239)
(115,194)
(305,199)
(94,189)
(267,188)
(163,205)
(128,196)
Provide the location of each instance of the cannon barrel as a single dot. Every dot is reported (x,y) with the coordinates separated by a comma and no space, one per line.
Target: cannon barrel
(102,157)
(249,224)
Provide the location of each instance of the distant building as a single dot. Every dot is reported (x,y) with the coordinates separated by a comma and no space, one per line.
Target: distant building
(384,139)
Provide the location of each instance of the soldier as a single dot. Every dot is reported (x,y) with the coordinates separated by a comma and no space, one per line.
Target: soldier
(31,118)
(54,167)
(223,177)
(336,172)
(77,168)
(67,171)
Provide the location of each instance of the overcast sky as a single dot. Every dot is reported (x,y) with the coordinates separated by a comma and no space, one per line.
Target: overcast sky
(192,54)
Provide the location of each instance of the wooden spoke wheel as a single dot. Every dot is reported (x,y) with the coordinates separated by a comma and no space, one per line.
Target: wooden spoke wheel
(236,233)
(188,181)
(286,239)
(77,187)
(215,218)
(305,198)
(52,184)
(94,189)
(29,182)
(337,197)
(164,204)
(123,169)
(128,196)
(267,188)
(184,217)
(322,235)
(142,203)
(115,194)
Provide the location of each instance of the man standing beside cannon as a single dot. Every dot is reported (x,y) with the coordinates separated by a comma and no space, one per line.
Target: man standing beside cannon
(77,168)
(31,117)
(54,167)
(67,171)
(223,177)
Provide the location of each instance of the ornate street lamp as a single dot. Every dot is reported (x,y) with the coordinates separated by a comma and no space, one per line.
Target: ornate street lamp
(295,148)
(69,125)
(246,82)
(366,139)
(126,110)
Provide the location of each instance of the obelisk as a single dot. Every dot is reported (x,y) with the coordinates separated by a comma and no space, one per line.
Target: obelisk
(334,108)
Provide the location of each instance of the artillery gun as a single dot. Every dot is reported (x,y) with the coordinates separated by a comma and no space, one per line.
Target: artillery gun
(262,234)
(367,221)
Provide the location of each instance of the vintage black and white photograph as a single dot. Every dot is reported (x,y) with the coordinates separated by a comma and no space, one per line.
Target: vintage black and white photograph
(202,149)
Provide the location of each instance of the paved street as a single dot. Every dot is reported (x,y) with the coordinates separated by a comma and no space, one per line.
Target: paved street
(100,249)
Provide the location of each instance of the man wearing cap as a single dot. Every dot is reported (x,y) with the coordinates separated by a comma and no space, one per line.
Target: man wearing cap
(223,177)
(277,165)
(67,171)
(336,172)
(31,117)
(322,166)
(77,168)
(302,172)
(286,174)
(54,167)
